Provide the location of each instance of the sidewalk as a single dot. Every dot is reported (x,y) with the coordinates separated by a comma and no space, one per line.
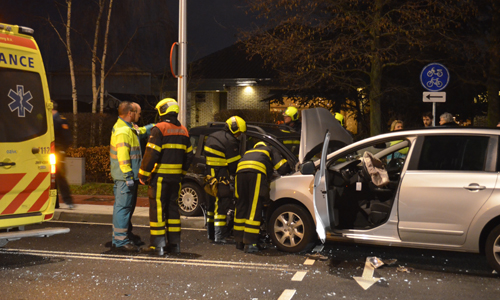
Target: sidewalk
(99,209)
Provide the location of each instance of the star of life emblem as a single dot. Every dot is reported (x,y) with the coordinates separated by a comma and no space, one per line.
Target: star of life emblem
(20,101)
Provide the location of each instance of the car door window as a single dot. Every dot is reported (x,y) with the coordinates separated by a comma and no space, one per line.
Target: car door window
(453,153)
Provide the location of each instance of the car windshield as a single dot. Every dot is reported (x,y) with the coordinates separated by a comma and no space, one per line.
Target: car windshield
(384,150)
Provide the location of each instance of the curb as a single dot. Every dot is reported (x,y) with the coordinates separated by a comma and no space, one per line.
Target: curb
(137,219)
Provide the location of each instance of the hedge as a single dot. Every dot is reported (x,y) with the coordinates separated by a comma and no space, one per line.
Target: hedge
(97,167)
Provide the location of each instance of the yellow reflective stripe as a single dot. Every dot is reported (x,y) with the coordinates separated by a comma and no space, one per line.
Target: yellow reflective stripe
(251,164)
(174,229)
(169,166)
(236,186)
(163,171)
(239,228)
(261,151)
(174,146)
(278,165)
(233,159)
(254,223)
(153,146)
(236,220)
(209,213)
(214,161)
(213,151)
(159,212)
(254,201)
(157,232)
(168,169)
(287,142)
(252,230)
(220,223)
(142,172)
(210,220)
(190,149)
(174,221)
(220,217)
(157,224)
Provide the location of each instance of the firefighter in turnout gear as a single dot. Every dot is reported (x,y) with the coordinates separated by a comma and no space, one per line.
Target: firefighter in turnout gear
(166,160)
(222,153)
(253,175)
(291,118)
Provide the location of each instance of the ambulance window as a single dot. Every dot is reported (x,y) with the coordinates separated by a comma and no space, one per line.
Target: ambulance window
(22,113)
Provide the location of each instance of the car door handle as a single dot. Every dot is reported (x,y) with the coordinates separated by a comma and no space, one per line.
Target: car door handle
(7,164)
(474,187)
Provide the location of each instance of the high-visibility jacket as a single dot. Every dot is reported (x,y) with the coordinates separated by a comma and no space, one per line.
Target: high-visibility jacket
(125,151)
(222,152)
(168,152)
(263,159)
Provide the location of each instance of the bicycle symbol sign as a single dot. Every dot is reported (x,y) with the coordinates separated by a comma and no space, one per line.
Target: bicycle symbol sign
(434,77)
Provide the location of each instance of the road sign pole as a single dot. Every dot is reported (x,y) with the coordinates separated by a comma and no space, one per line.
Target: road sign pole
(433,114)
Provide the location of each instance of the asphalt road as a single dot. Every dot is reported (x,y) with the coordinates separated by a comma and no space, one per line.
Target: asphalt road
(79,265)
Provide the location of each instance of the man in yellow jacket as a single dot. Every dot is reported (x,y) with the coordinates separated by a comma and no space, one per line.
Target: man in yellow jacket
(125,160)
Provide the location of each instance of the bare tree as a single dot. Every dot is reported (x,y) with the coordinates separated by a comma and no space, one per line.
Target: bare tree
(67,44)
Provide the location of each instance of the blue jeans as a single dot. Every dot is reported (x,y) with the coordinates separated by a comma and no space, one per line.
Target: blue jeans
(123,208)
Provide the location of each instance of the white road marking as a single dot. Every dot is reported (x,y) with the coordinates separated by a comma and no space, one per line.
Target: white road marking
(147,259)
(287,295)
(367,279)
(309,262)
(299,276)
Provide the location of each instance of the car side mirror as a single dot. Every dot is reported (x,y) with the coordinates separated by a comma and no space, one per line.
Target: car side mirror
(308,168)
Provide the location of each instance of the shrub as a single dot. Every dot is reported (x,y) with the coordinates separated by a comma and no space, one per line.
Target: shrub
(97,168)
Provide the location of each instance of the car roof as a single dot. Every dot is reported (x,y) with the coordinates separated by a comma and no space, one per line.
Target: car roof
(275,130)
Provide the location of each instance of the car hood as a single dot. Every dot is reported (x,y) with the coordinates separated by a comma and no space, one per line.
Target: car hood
(315,123)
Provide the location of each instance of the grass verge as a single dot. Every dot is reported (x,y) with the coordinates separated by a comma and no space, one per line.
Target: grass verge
(102,189)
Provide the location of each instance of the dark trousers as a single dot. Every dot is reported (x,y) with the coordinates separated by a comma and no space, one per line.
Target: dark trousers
(251,192)
(61,181)
(217,209)
(164,216)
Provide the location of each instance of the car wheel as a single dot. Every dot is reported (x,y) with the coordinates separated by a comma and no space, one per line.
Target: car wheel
(291,228)
(493,248)
(190,198)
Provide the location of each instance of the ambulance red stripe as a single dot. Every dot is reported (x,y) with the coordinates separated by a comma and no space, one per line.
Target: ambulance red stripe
(16,40)
(9,181)
(41,201)
(19,200)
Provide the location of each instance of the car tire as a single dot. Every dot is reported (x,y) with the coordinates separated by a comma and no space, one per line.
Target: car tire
(190,198)
(291,228)
(493,248)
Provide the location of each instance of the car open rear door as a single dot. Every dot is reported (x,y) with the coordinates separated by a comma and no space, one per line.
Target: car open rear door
(324,216)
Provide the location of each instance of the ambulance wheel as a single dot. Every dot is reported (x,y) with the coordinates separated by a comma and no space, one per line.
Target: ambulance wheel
(291,228)
(190,198)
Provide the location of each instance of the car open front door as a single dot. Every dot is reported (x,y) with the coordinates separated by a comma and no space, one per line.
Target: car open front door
(324,215)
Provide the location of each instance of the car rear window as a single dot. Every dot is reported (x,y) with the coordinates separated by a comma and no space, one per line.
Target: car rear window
(23,113)
(454,153)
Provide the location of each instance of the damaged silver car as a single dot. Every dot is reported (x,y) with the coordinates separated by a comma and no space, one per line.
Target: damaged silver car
(431,188)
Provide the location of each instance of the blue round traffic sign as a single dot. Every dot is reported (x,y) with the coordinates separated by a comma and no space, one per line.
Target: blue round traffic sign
(434,77)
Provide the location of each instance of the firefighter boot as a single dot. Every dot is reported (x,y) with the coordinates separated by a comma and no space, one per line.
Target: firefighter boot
(210,231)
(174,248)
(221,234)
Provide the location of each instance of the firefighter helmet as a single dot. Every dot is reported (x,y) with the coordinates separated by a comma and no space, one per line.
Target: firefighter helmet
(339,118)
(292,112)
(166,106)
(236,124)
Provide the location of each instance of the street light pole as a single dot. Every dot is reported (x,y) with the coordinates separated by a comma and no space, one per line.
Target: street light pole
(182,79)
